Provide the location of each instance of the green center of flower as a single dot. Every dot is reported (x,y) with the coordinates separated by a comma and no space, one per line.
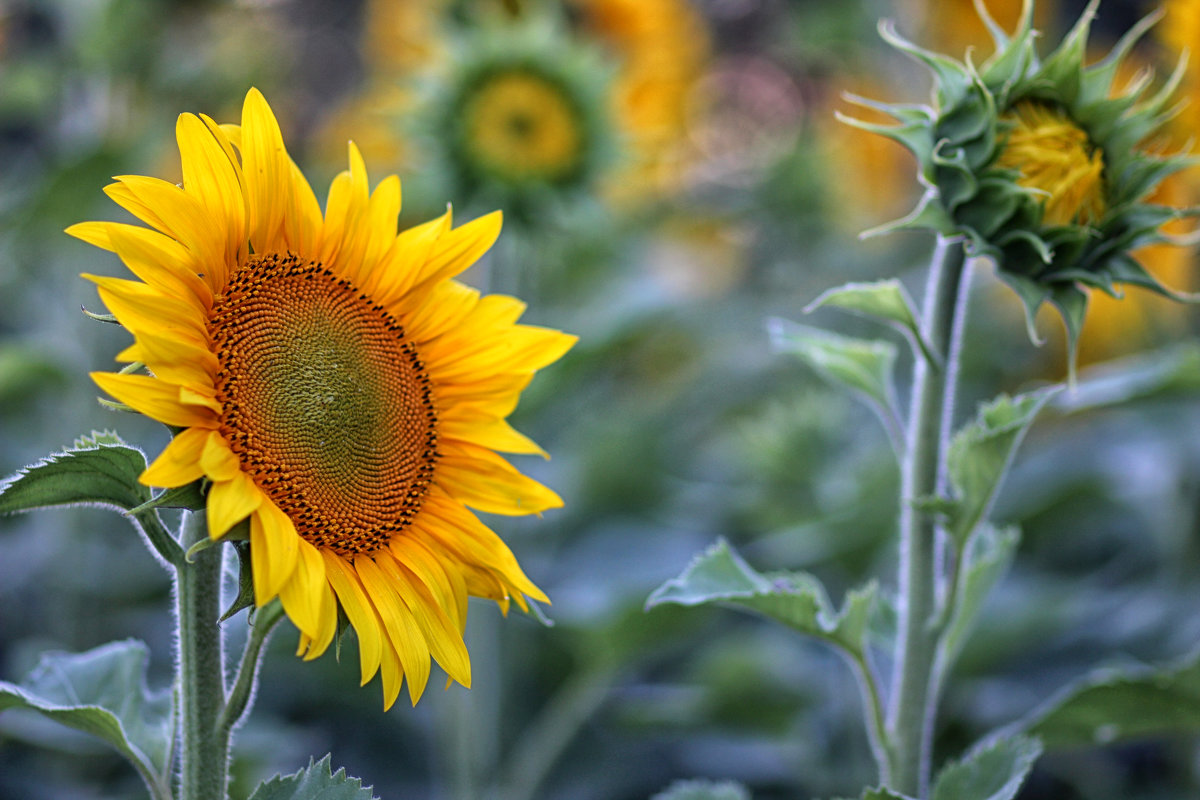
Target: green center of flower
(326,403)
(1054,157)
(519,126)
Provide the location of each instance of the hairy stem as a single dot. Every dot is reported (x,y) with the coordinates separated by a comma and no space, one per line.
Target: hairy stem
(201,668)
(911,709)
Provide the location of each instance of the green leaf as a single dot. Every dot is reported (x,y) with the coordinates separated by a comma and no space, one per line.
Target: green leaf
(1174,369)
(1114,705)
(993,770)
(797,599)
(986,561)
(880,793)
(887,300)
(103,692)
(98,470)
(703,790)
(314,782)
(980,454)
(189,496)
(861,365)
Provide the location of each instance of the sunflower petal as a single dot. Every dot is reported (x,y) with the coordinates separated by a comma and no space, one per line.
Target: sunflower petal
(155,398)
(301,594)
(179,462)
(230,502)
(486,482)
(358,608)
(402,629)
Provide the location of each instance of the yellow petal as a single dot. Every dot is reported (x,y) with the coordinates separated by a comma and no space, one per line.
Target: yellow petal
(181,215)
(154,257)
(398,269)
(156,399)
(217,460)
(447,306)
(274,544)
(213,178)
(358,608)
(440,633)
(402,629)
(494,434)
(179,463)
(393,676)
(140,307)
(458,249)
(479,478)
(302,592)
(418,558)
(230,502)
(266,168)
(520,348)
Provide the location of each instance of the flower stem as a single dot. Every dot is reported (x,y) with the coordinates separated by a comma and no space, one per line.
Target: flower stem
(201,668)
(911,709)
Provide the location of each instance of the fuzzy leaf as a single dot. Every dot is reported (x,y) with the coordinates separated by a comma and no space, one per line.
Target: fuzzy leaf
(703,790)
(1175,369)
(988,557)
(797,599)
(980,453)
(103,692)
(98,470)
(862,365)
(1114,705)
(314,782)
(886,300)
(993,770)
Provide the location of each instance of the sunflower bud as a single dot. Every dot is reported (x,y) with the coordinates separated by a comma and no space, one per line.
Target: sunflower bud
(1039,164)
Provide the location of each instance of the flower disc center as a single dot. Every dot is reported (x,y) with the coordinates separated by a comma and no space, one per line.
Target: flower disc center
(325,402)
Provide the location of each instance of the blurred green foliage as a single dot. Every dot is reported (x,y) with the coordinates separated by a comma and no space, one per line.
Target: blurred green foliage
(671,424)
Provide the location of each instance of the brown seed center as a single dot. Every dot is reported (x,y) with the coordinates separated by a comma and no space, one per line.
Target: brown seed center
(325,401)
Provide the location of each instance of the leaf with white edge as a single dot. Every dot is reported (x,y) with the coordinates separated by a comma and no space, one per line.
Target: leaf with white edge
(798,600)
(987,559)
(981,452)
(314,782)
(1173,369)
(885,300)
(103,692)
(862,365)
(1114,705)
(99,470)
(992,770)
(703,790)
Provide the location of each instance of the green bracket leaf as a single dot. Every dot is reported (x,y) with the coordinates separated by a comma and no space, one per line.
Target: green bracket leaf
(797,599)
(189,496)
(987,559)
(862,365)
(703,790)
(993,770)
(980,454)
(103,692)
(886,300)
(314,782)
(98,470)
(1114,705)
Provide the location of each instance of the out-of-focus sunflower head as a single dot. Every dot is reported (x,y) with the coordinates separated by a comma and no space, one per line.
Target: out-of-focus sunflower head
(662,49)
(518,118)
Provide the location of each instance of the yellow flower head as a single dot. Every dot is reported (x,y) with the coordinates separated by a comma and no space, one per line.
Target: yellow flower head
(333,384)
(1052,156)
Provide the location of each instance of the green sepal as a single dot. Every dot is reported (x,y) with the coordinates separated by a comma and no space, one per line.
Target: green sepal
(980,454)
(987,559)
(796,599)
(995,769)
(927,215)
(190,497)
(886,300)
(314,782)
(103,692)
(245,595)
(703,790)
(1112,705)
(1071,302)
(953,79)
(862,365)
(99,470)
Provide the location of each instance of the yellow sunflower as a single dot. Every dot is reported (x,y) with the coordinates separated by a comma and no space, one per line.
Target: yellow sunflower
(334,384)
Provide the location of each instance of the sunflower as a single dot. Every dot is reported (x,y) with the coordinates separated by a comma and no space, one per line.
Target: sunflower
(331,383)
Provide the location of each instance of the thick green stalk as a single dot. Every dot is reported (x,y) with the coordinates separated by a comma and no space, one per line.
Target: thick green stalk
(911,709)
(201,668)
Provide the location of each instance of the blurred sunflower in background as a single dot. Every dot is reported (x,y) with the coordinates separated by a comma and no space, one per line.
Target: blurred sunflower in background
(334,385)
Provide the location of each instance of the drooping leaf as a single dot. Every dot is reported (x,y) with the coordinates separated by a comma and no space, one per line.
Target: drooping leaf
(103,692)
(98,470)
(314,782)
(993,770)
(797,599)
(980,454)
(986,561)
(862,365)
(1114,705)
(1173,369)
(703,790)
(885,300)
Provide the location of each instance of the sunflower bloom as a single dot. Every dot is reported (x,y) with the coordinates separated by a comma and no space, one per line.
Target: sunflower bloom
(335,386)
